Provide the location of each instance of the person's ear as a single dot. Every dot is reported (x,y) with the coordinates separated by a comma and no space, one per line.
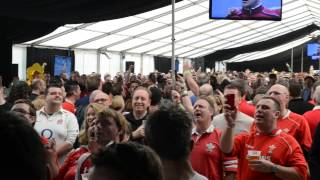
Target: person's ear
(277,114)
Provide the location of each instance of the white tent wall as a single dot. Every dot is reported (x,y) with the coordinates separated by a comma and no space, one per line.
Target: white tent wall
(19,56)
(85,61)
(111,66)
(148,64)
(143,64)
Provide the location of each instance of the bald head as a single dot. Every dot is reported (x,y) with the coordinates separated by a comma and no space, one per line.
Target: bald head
(280,93)
(103,99)
(316,95)
(206,90)
(203,78)
(93,95)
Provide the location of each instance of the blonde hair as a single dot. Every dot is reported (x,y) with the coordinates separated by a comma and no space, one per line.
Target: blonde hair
(125,130)
(39,102)
(117,103)
(83,134)
(219,102)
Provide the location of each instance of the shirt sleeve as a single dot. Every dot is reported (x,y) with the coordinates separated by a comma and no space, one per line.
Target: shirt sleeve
(68,163)
(72,128)
(296,159)
(305,135)
(230,164)
(238,145)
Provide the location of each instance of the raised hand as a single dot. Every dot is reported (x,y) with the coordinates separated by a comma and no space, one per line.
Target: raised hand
(230,115)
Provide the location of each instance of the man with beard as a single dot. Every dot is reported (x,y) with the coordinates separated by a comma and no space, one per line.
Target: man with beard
(53,122)
(267,152)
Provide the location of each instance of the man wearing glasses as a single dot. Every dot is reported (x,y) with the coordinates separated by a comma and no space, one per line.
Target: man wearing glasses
(102,98)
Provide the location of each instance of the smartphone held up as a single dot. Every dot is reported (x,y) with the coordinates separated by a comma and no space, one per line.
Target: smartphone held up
(230,99)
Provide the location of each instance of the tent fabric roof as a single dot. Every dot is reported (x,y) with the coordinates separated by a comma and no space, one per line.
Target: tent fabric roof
(272,51)
(196,34)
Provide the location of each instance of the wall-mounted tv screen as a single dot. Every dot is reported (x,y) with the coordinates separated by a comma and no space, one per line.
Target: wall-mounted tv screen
(62,64)
(313,50)
(246,9)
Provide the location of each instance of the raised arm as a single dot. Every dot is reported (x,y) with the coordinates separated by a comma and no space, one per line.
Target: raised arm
(226,142)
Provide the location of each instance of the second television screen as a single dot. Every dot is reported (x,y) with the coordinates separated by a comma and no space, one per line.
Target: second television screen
(246,9)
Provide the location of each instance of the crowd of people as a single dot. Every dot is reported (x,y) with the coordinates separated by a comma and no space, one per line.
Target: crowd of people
(153,127)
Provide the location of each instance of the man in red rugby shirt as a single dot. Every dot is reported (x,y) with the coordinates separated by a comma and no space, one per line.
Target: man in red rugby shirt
(267,152)
(313,116)
(206,156)
(290,122)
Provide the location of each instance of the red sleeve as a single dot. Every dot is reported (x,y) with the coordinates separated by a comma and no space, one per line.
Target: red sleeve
(304,134)
(230,164)
(238,145)
(68,107)
(68,164)
(44,140)
(296,158)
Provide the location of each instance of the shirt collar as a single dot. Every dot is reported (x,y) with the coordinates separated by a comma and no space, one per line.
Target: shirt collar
(274,132)
(44,112)
(287,114)
(316,107)
(209,130)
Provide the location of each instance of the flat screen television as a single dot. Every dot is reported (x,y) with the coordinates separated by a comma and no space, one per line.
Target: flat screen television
(62,64)
(246,9)
(313,51)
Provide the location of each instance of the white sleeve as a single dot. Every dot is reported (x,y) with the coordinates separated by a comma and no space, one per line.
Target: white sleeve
(72,128)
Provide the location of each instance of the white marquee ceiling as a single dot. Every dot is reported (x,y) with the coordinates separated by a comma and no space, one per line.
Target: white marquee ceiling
(196,34)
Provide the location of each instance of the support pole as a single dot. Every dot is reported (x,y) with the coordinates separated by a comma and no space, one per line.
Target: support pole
(302,59)
(98,62)
(122,56)
(141,63)
(173,45)
(291,60)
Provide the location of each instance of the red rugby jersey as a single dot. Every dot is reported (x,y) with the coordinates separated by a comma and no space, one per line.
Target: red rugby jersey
(278,147)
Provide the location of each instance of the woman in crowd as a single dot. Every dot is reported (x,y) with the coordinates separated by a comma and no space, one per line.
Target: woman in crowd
(101,125)
(68,169)
(117,104)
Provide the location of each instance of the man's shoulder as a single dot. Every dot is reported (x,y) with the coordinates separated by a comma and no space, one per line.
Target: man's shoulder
(288,140)
(67,113)
(312,113)
(296,117)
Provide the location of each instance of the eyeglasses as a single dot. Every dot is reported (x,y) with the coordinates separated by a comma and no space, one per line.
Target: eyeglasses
(100,100)
(275,93)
